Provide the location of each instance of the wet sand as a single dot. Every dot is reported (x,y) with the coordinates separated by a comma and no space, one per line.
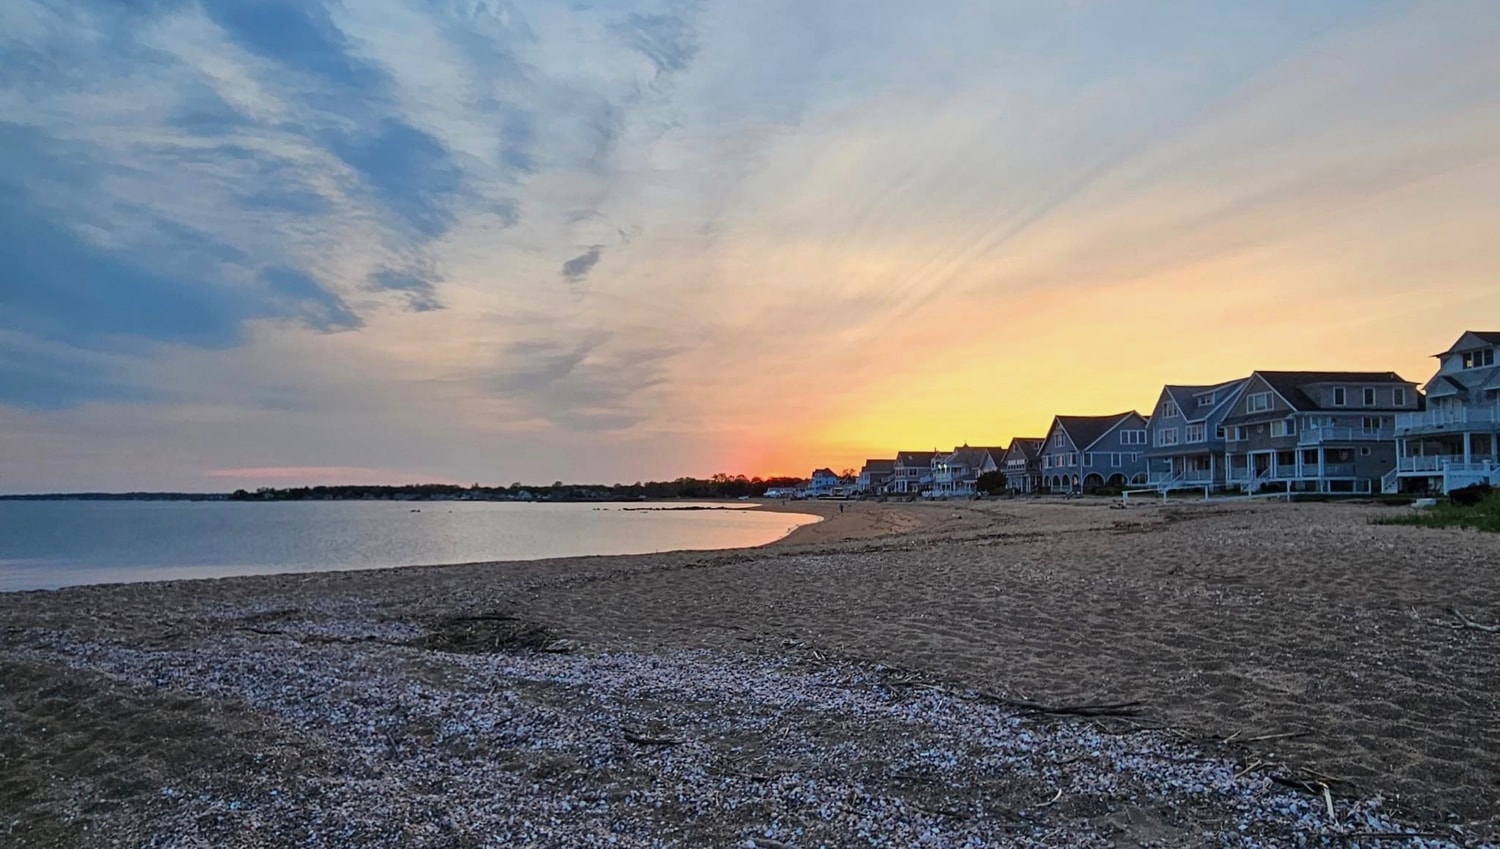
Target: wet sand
(1292,643)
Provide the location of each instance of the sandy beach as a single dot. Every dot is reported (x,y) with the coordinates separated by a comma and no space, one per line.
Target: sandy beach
(1002,673)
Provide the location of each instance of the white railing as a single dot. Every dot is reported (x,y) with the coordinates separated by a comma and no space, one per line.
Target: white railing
(1448,417)
(1316,435)
(1432,463)
(1390,482)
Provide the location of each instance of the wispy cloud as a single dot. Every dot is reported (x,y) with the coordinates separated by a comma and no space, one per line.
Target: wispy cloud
(577,269)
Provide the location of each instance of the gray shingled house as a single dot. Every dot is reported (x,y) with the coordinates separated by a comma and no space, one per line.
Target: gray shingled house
(912,473)
(1313,431)
(1083,453)
(1186,438)
(1455,441)
(1023,465)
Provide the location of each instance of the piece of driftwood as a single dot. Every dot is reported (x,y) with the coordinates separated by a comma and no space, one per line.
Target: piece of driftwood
(1031,708)
(640,739)
(1466,622)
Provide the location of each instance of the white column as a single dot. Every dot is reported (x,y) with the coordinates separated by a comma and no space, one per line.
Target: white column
(1322,463)
(1468,447)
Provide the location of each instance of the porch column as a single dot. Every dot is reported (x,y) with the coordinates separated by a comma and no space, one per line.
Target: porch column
(1468,447)
(1322,463)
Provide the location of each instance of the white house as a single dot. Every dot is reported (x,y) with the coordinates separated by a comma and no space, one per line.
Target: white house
(1455,441)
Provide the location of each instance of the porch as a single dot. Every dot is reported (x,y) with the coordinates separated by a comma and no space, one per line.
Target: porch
(1326,470)
(1449,419)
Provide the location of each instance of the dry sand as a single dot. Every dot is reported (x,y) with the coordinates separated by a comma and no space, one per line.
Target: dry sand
(143,713)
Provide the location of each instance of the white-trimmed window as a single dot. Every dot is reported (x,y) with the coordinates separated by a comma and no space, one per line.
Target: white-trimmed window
(1284,427)
(1166,436)
(1479,359)
(1369,396)
(1339,396)
(1239,433)
(1115,460)
(1169,409)
(1197,433)
(1058,440)
(1260,402)
(1372,422)
(1132,437)
(1219,432)
(1398,396)
(1088,459)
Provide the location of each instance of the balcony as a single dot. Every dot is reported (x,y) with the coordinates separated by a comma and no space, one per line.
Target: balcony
(1455,419)
(1320,435)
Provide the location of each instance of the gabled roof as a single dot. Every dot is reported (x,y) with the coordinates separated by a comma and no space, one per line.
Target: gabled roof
(1186,400)
(1484,338)
(1289,384)
(1029,447)
(879,466)
(914,458)
(827,473)
(1086,430)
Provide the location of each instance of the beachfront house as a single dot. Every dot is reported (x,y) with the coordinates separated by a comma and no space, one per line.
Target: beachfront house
(1023,465)
(1085,453)
(823,482)
(955,474)
(1455,441)
(874,475)
(912,473)
(1186,439)
(1309,431)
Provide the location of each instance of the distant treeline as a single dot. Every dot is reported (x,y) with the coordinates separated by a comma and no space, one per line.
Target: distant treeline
(718,486)
(118,496)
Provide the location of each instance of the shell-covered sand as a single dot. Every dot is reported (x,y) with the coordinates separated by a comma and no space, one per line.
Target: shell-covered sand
(876,679)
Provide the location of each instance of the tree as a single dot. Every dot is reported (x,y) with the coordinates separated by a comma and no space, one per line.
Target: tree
(990,483)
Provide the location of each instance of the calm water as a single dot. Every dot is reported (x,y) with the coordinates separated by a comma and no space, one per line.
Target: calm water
(49,544)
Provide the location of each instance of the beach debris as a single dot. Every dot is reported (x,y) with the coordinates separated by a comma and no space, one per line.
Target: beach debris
(1028,708)
(1466,622)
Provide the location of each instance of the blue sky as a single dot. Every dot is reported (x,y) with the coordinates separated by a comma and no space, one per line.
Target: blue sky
(480,240)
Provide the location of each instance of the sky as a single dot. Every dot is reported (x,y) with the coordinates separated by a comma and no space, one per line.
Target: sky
(276,242)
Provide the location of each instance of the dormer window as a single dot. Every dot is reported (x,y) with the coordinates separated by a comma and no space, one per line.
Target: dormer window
(1479,359)
(1339,396)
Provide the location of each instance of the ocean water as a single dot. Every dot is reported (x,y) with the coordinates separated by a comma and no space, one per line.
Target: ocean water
(50,544)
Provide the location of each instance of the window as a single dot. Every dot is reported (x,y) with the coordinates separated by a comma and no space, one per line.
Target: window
(1169,409)
(1372,423)
(1338,396)
(1364,452)
(1398,395)
(1166,436)
(1116,460)
(1136,457)
(1260,402)
(1369,398)
(1238,434)
(1057,439)
(1088,459)
(1205,399)
(1479,359)
(1132,437)
(1219,432)
(1196,433)
(1284,427)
